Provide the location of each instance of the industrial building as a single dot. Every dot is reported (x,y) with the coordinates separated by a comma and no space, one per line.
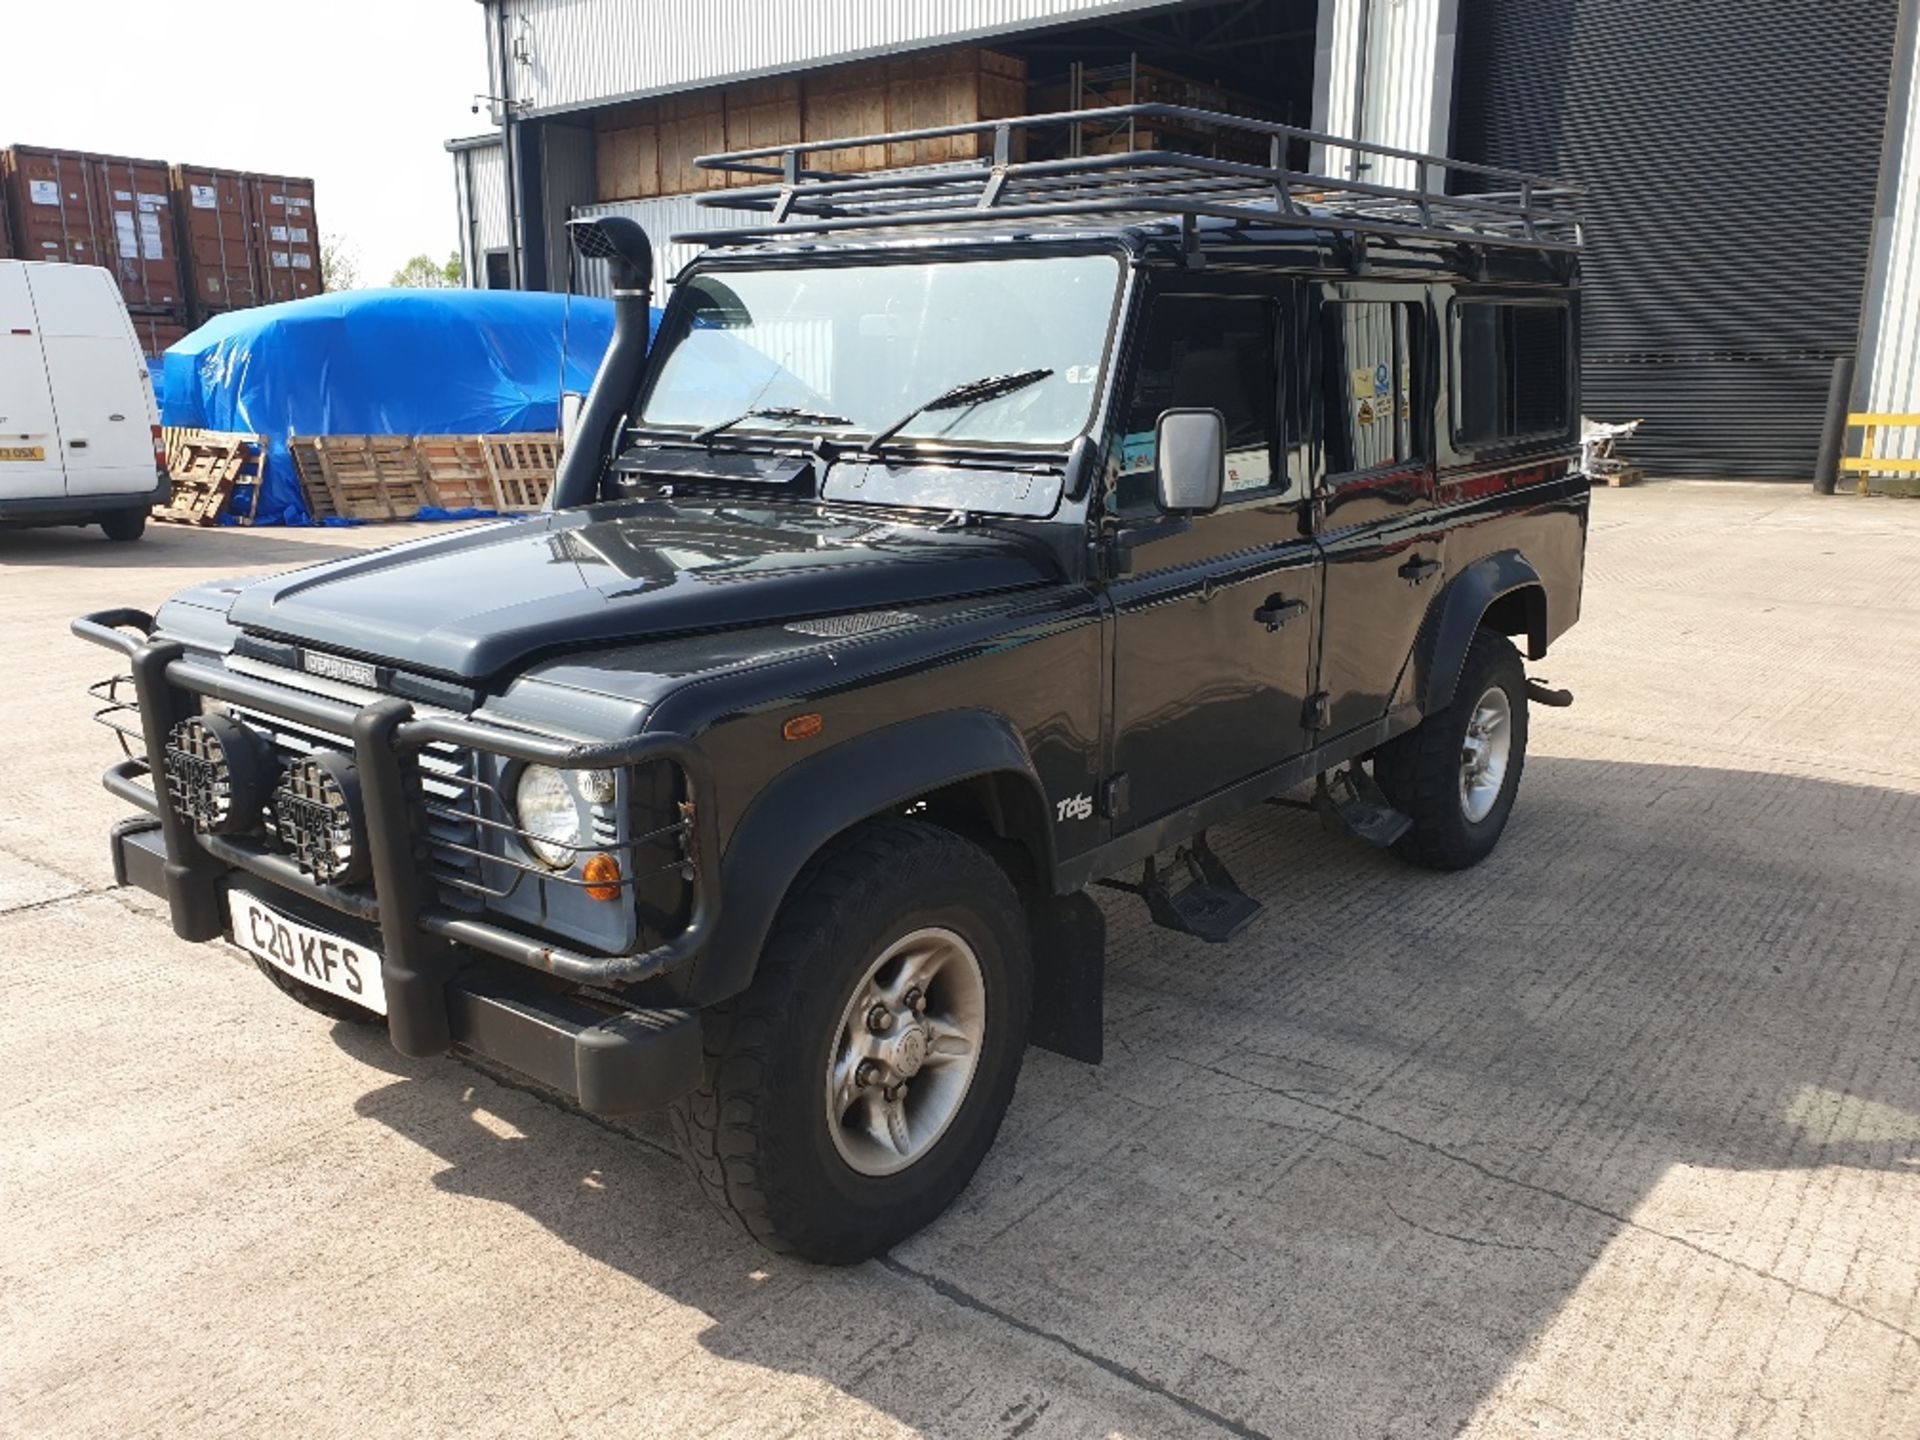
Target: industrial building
(1753,208)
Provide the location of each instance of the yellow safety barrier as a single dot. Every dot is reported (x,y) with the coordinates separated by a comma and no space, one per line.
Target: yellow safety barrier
(1867,462)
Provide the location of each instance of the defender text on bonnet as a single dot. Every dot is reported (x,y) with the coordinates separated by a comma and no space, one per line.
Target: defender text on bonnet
(968,537)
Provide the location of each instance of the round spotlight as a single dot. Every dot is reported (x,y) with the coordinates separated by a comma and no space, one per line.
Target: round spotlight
(218,772)
(317,815)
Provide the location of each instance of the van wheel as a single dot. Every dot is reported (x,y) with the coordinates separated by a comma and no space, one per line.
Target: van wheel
(854,1088)
(124,524)
(1457,772)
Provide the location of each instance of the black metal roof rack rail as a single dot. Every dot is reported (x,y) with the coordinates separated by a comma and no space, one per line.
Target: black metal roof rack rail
(812,196)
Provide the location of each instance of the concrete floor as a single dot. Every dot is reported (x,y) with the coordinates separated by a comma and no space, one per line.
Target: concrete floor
(1617,1135)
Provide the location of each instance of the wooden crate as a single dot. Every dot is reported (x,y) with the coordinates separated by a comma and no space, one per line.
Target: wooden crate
(206,467)
(359,477)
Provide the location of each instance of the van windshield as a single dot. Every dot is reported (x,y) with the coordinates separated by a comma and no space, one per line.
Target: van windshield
(848,350)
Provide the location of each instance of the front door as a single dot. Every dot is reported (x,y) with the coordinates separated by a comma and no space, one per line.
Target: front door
(1214,628)
(1376,514)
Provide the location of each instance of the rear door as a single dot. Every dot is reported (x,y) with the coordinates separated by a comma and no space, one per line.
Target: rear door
(98,378)
(1378,529)
(30,467)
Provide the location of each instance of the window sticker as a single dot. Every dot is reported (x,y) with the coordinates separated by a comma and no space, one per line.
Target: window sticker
(1248,469)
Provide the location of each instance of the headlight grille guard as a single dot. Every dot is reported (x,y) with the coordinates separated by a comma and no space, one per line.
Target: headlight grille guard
(385,736)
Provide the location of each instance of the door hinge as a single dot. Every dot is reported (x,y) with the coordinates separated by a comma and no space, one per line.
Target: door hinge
(1318,712)
(1113,796)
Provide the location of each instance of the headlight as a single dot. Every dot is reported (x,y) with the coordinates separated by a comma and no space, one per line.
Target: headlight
(549,816)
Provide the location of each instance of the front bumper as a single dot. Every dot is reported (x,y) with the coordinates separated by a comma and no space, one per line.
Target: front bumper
(440,993)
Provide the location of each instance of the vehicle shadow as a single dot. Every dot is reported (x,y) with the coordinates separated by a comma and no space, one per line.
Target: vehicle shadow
(1345,1175)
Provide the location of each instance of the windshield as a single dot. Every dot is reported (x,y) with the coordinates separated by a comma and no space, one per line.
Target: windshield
(853,348)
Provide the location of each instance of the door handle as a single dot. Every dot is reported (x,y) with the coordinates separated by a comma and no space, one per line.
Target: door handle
(1278,611)
(1419,570)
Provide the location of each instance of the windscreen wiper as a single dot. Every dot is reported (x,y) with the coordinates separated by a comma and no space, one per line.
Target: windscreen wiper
(972,392)
(774,412)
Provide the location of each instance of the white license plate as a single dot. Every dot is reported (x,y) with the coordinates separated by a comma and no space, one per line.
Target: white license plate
(313,957)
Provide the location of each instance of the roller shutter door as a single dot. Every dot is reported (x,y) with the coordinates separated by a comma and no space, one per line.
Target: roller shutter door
(1732,150)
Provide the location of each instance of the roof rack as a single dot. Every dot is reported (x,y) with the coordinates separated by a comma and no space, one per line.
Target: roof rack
(812,195)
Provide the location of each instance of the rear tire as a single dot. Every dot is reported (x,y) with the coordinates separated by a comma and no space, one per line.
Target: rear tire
(783,1135)
(124,525)
(1428,773)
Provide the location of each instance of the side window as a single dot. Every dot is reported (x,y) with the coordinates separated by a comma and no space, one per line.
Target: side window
(1204,352)
(1370,379)
(1512,371)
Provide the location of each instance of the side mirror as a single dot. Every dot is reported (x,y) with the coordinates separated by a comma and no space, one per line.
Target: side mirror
(1191,465)
(571,402)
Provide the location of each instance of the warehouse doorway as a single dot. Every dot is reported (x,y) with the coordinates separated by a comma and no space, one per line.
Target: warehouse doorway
(1252,58)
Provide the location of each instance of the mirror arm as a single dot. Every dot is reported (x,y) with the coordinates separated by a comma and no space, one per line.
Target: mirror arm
(1129,538)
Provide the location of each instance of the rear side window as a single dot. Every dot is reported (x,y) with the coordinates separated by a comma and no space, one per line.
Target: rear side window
(1512,368)
(1370,379)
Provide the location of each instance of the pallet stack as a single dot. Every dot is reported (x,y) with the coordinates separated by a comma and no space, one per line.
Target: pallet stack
(206,468)
(394,477)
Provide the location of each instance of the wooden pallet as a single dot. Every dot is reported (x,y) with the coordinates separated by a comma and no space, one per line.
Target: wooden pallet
(522,467)
(359,477)
(206,467)
(454,470)
(392,477)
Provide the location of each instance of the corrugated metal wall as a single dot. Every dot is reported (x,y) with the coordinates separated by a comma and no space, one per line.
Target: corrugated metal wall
(565,54)
(661,218)
(1732,149)
(1405,98)
(480,190)
(566,181)
(1889,378)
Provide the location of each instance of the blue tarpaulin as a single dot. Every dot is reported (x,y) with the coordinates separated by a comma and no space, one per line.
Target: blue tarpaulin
(381,362)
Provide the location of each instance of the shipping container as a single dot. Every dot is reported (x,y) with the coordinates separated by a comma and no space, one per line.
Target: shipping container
(157,332)
(223,255)
(281,210)
(104,210)
(6,227)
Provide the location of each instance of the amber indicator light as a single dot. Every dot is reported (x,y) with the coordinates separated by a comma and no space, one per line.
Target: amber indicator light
(802,727)
(602,874)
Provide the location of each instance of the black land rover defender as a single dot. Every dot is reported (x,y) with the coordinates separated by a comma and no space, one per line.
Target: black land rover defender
(968,536)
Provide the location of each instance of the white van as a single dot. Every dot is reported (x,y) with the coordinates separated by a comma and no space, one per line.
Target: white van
(79,432)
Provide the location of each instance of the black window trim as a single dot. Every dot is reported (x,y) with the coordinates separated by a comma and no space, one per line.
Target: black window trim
(1494,443)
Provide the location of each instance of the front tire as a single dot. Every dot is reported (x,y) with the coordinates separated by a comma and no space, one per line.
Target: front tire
(1456,773)
(852,1090)
(318,1001)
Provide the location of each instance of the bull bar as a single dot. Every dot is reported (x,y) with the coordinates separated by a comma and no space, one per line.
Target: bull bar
(417,937)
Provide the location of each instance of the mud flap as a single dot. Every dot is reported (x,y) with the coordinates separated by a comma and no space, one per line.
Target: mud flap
(1069,945)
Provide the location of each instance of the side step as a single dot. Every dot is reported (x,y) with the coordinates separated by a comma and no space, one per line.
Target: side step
(1210,907)
(1352,802)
